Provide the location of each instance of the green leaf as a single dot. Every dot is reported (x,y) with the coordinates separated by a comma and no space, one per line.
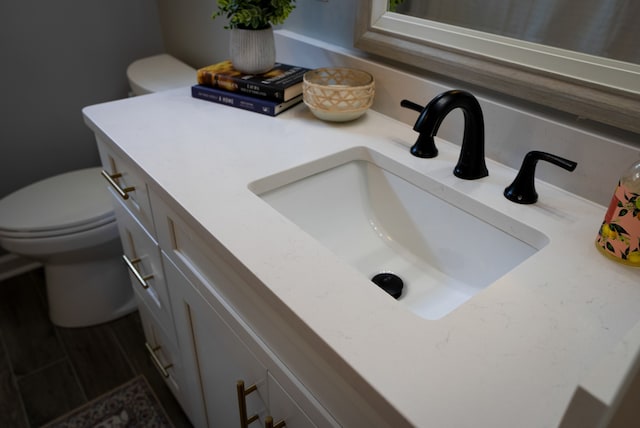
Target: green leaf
(618,228)
(254,14)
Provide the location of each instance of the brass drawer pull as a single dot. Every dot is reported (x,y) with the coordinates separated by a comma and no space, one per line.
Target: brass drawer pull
(268,423)
(131,265)
(156,361)
(124,193)
(242,403)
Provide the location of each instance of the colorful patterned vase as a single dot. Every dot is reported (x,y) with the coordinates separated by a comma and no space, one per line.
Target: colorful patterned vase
(619,234)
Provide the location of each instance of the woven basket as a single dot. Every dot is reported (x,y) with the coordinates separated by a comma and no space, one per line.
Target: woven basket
(338,94)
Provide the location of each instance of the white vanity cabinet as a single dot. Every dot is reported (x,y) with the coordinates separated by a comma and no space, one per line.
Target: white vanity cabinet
(219,348)
(246,294)
(221,372)
(222,360)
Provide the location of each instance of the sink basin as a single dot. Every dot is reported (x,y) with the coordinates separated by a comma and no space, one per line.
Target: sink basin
(380,216)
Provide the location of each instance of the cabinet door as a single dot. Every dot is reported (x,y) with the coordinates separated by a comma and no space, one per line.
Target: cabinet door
(210,277)
(219,359)
(283,408)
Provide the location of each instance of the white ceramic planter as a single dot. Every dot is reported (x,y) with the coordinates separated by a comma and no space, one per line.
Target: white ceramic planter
(252,51)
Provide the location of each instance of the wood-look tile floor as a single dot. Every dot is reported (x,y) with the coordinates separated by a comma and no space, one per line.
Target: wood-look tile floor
(46,371)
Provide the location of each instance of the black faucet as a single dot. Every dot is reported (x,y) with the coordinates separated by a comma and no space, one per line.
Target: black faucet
(471,164)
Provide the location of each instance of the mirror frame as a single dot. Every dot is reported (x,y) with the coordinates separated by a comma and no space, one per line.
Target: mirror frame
(588,87)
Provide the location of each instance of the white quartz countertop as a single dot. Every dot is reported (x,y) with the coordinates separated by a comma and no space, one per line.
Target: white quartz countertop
(511,356)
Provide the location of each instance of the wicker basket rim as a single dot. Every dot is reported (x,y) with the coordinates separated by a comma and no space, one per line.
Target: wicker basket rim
(306,80)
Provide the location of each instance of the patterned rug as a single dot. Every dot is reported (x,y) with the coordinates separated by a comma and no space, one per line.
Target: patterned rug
(132,405)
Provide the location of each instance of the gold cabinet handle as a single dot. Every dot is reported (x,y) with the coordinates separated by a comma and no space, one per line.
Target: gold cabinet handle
(131,265)
(268,423)
(242,403)
(156,361)
(123,192)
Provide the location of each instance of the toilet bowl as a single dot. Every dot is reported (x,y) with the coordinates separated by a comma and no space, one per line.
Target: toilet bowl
(67,223)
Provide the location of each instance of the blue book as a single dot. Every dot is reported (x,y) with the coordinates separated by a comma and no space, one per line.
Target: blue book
(258,105)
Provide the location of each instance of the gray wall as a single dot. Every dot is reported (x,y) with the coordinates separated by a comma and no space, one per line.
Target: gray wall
(57,57)
(192,36)
(189,32)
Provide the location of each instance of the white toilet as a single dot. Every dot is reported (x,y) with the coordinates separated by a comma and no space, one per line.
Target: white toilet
(67,223)
(158,73)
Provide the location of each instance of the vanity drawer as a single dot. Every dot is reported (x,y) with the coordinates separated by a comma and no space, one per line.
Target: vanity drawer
(127,185)
(142,256)
(179,241)
(163,352)
(184,246)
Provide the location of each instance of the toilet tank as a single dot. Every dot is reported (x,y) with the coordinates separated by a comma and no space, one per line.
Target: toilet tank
(158,73)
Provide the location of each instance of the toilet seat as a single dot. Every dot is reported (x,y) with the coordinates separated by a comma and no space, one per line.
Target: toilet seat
(68,203)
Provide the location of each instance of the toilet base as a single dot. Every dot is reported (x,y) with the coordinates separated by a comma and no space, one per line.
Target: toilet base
(88,293)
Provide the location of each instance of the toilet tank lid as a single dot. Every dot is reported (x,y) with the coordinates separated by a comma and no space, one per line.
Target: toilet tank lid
(60,202)
(159,73)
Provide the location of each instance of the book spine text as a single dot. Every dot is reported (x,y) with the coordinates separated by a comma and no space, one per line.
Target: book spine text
(234,101)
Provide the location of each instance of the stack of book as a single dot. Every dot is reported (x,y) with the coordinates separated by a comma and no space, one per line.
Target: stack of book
(269,93)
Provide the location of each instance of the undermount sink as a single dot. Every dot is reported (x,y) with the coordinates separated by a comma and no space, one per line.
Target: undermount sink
(380,216)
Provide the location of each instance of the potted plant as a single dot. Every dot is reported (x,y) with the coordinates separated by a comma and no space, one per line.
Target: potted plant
(393,5)
(252,47)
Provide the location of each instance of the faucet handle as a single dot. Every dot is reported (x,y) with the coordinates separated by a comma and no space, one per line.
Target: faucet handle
(522,190)
(411,105)
(424,146)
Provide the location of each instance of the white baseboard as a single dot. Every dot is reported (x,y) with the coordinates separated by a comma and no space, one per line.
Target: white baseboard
(12,265)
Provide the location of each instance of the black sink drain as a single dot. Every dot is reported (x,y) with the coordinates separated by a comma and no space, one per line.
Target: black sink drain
(390,283)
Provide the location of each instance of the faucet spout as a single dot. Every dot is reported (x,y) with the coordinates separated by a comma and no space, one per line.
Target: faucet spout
(471,163)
